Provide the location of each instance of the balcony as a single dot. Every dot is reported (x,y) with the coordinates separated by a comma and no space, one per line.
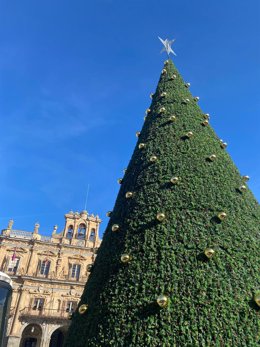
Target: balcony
(45,313)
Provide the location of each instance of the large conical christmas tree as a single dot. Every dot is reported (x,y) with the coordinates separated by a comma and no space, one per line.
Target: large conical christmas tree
(179,264)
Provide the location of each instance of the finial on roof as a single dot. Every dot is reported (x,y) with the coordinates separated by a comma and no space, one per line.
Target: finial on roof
(10,224)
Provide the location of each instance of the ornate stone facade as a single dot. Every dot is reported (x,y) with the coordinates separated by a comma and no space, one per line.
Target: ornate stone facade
(48,274)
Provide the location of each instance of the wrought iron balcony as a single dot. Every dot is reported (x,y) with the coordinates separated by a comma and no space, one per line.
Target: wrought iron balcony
(46,313)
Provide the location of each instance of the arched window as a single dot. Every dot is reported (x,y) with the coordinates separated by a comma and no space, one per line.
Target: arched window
(69,232)
(82,231)
(92,235)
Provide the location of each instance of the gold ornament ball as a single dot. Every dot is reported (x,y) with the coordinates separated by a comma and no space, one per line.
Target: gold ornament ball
(212,157)
(137,134)
(257,298)
(222,215)
(186,100)
(162,300)
(148,111)
(162,109)
(153,158)
(245,178)
(163,94)
(223,144)
(160,217)
(129,195)
(125,258)
(164,71)
(141,145)
(83,308)
(173,77)
(166,62)
(172,118)
(189,134)
(70,316)
(187,85)
(151,95)
(115,227)
(196,98)
(120,180)
(109,213)
(242,188)
(205,123)
(174,180)
(206,116)
(209,252)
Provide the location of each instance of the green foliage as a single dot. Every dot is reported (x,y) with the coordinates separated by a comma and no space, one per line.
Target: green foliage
(211,300)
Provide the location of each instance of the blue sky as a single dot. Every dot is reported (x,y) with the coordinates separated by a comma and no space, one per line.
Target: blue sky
(75,79)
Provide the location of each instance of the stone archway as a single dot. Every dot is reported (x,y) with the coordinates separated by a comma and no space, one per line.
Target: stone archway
(58,337)
(31,336)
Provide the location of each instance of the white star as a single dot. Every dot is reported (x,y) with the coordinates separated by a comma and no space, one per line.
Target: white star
(167,46)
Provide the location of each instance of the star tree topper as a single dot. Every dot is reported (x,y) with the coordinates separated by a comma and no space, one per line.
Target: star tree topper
(167,46)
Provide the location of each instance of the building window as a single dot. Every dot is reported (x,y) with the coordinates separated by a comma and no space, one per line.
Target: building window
(71,306)
(70,232)
(38,304)
(92,235)
(81,231)
(45,267)
(13,264)
(75,271)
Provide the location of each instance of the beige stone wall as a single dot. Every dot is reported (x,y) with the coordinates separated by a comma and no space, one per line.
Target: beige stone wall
(47,281)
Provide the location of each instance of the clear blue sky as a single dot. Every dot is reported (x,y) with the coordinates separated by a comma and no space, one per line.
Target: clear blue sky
(75,79)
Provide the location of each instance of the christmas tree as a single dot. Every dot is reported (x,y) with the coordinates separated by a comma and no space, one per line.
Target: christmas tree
(180,258)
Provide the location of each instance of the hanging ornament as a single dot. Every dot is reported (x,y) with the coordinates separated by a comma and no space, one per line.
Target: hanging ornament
(206,116)
(242,188)
(115,227)
(137,134)
(245,178)
(153,158)
(257,298)
(163,94)
(151,95)
(160,217)
(172,118)
(205,123)
(166,62)
(83,308)
(125,258)
(109,213)
(222,216)
(185,101)
(173,77)
(189,134)
(209,252)
(162,301)
(141,145)
(120,180)
(162,110)
(129,195)
(187,85)
(196,98)
(148,111)
(223,144)
(164,71)
(174,180)
(212,157)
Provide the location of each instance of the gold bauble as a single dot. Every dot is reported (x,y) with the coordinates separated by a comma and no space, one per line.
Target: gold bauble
(196,98)
(125,258)
(209,252)
(120,180)
(141,145)
(242,188)
(173,77)
(206,115)
(162,109)
(166,62)
(245,178)
(257,298)
(189,134)
(186,100)
(212,157)
(187,85)
(160,217)
(153,158)
(129,195)
(162,300)
(172,118)
(164,71)
(222,215)
(137,134)
(174,180)
(70,316)
(223,144)
(205,123)
(115,227)
(151,95)
(163,94)
(148,111)
(109,213)
(83,308)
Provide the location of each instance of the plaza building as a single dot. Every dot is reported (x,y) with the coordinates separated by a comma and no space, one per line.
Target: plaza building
(48,275)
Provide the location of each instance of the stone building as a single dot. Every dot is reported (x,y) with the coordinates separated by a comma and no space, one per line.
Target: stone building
(48,274)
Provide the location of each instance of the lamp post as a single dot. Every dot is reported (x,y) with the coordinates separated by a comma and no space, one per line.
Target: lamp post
(5,301)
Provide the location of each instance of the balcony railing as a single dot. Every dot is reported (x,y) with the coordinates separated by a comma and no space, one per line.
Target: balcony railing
(46,312)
